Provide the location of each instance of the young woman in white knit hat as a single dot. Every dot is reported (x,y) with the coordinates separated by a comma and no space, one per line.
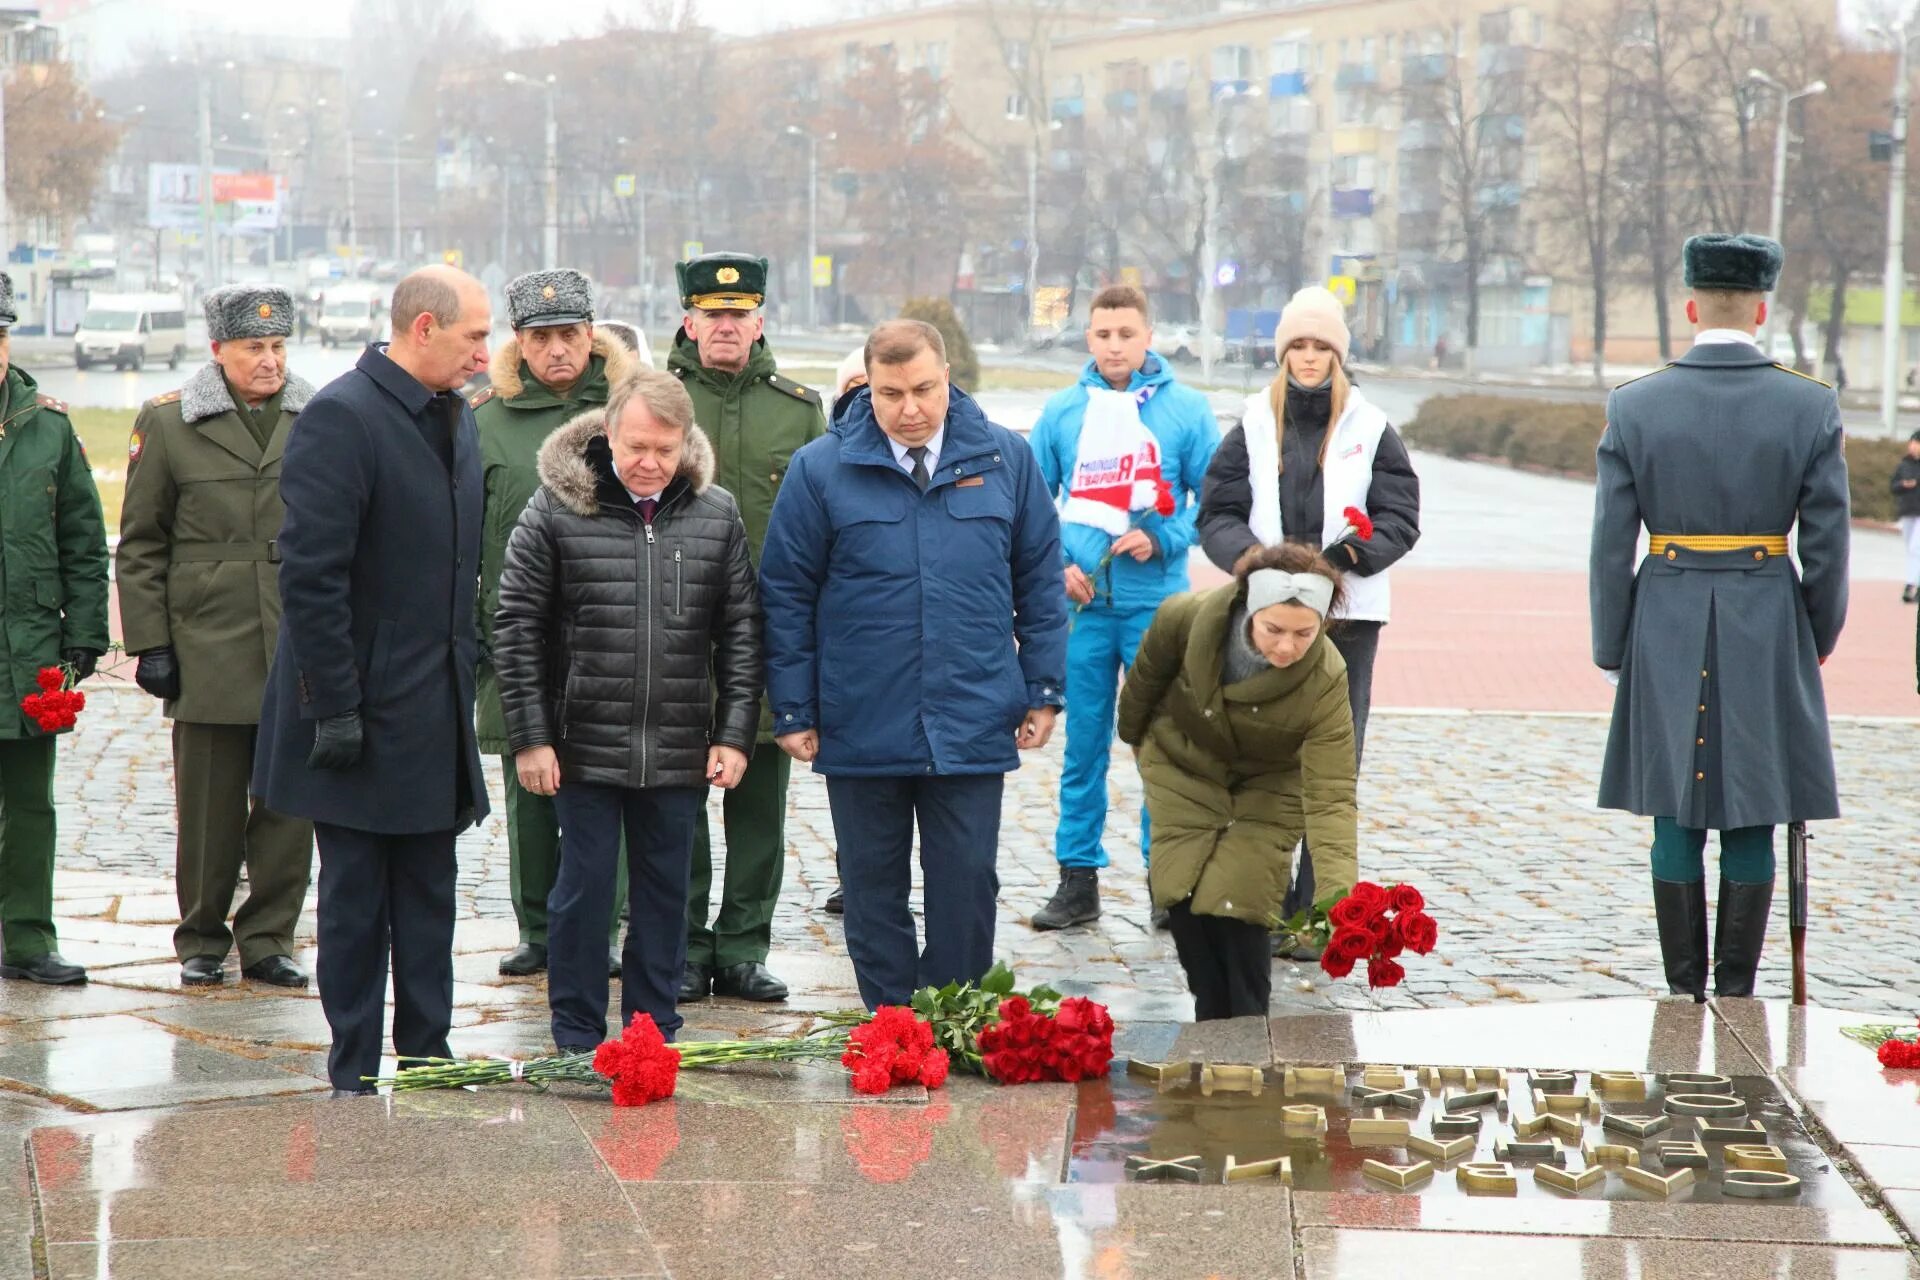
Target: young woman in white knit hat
(1307,449)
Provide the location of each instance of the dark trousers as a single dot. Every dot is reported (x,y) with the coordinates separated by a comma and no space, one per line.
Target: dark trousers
(26,848)
(873,823)
(658,822)
(755,815)
(220,828)
(1228,966)
(1357,642)
(378,894)
(533,859)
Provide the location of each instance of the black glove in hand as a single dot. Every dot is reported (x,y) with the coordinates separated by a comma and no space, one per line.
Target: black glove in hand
(82,661)
(158,672)
(336,742)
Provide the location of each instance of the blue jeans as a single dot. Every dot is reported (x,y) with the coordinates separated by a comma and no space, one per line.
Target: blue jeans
(959,821)
(658,822)
(1100,648)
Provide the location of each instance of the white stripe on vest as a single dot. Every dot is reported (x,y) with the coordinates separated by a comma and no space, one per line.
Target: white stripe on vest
(1345,482)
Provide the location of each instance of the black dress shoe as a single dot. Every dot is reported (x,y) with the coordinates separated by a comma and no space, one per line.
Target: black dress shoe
(353,1093)
(696,982)
(613,962)
(48,970)
(836,902)
(202,971)
(748,980)
(524,960)
(278,971)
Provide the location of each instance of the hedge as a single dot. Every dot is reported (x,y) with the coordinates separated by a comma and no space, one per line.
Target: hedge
(1551,436)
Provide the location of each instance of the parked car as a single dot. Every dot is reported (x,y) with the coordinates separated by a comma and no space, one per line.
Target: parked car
(353,314)
(1182,343)
(128,329)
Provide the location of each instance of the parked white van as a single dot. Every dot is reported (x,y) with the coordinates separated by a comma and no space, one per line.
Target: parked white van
(353,314)
(126,330)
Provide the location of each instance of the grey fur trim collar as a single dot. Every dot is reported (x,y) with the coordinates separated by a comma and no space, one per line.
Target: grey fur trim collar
(564,468)
(503,370)
(205,394)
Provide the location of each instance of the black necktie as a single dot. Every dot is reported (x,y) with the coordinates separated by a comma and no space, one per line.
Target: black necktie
(919,455)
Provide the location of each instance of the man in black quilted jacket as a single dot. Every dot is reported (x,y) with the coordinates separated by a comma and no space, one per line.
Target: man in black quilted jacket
(627,643)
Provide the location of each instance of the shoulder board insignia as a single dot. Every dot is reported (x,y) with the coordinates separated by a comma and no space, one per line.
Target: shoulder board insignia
(1630,381)
(1796,373)
(799,390)
(480,397)
(168,398)
(48,402)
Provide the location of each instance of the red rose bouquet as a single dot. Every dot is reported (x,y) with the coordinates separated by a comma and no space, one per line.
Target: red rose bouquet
(1372,924)
(57,706)
(1022,1046)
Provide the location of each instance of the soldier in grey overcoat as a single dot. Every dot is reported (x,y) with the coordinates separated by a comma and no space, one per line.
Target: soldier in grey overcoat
(1720,720)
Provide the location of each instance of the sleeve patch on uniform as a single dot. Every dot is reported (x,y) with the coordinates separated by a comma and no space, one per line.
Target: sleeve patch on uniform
(136,443)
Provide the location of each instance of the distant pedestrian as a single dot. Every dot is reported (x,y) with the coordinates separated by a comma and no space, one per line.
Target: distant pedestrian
(1236,709)
(1307,449)
(1906,500)
(1839,376)
(916,644)
(367,722)
(627,641)
(1720,717)
(1124,438)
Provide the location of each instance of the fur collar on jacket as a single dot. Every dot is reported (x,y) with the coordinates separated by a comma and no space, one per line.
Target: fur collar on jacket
(575,481)
(503,370)
(205,394)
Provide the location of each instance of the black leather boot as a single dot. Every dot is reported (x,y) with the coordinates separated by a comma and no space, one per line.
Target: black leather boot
(1681,912)
(1076,901)
(1738,934)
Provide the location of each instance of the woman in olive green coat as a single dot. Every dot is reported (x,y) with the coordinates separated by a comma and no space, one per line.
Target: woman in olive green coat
(1236,708)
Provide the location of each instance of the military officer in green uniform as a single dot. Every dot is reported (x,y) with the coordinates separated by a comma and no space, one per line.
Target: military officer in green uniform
(555,366)
(200,605)
(53,611)
(756,419)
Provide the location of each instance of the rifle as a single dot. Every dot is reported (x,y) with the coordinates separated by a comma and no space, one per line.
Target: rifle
(1797,906)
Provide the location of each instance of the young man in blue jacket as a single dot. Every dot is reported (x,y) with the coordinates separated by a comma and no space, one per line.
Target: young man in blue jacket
(915,645)
(1114,581)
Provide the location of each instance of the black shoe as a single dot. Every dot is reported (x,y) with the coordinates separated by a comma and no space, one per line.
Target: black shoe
(613,962)
(524,960)
(1680,912)
(696,982)
(836,902)
(353,1093)
(1739,931)
(748,980)
(276,971)
(48,970)
(565,1049)
(1076,901)
(1908,595)
(202,971)
(1159,919)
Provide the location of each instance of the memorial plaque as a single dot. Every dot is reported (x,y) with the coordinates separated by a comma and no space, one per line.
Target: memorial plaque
(1548,1135)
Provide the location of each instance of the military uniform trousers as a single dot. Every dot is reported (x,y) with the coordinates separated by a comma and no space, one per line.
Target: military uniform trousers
(756,816)
(221,827)
(26,848)
(533,860)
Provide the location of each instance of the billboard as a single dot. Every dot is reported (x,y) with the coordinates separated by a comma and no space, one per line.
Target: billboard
(244,203)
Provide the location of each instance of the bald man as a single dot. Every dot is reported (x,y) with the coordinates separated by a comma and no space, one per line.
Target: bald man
(367,725)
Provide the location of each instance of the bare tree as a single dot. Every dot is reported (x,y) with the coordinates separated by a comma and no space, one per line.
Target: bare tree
(58,145)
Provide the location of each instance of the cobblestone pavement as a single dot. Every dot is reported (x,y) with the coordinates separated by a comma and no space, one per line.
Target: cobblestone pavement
(1539,896)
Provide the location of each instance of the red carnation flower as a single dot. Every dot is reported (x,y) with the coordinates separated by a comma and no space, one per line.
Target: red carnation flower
(1163,500)
(933,1071)
(1901,1055)
(50,679)
(1362,523)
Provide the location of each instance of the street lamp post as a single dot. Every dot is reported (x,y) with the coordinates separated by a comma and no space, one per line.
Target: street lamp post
(1893,286)
(1033,218)
(550,238)
(1776,224)
(813,217)
(1210,187)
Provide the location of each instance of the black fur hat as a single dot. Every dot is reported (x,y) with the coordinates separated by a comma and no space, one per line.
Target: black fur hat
(1740,264)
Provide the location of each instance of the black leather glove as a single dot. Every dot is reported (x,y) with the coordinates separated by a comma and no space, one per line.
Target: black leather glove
(82,661)
(158,672)
(336,742)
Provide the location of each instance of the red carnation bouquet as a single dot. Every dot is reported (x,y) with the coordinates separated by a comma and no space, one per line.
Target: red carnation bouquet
(1897,1047)
(642,1066)
(1372,924)
(58,705)
(893,1047)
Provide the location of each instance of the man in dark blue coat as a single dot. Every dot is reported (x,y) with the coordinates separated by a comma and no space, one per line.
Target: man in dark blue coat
(367,724)
(916,636)
(1720,719)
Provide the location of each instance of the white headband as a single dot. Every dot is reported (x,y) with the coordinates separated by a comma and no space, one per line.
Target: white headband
(1267,587)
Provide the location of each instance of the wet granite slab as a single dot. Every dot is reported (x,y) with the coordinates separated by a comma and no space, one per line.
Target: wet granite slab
(1652,1218)
(1780,1035)
(122,1062)
(1372,1255)
(1020,1232)
(31,1002)
(1860,1102)
(965,1136)
(1231,1041)
(1597,1035)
